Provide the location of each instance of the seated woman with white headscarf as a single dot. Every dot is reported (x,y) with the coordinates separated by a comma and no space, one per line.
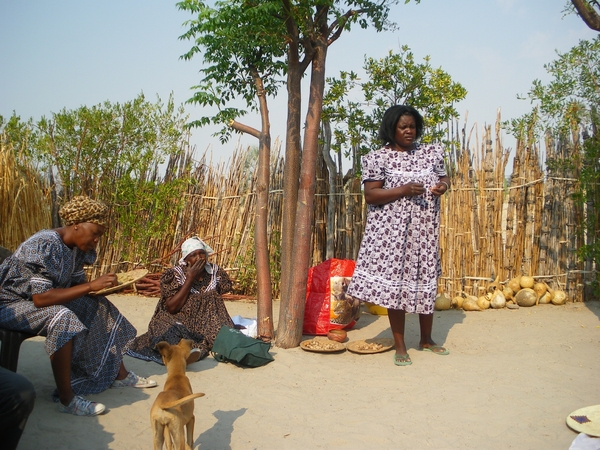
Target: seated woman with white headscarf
(190,305)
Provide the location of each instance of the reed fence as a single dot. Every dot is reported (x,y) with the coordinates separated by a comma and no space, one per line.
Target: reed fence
(491,226)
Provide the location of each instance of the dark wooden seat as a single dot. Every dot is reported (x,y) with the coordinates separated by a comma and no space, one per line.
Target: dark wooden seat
(10,340)
(10,344)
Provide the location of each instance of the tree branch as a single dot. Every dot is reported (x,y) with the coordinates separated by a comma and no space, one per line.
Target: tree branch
(339,24)
(290,24)
(244,128)
(587,14)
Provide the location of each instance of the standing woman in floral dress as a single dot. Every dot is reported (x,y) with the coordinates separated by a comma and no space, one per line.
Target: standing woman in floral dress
(398,264)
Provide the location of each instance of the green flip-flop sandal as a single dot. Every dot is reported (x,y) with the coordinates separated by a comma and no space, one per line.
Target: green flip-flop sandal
(402,360)
(435,349)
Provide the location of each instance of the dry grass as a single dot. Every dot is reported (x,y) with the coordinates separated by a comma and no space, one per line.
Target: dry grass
(24,199)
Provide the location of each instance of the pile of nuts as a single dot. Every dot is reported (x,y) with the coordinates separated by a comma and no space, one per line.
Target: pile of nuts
(372,346)
(320,345)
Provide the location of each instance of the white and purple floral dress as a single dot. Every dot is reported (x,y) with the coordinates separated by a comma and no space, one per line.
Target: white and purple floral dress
(398,264)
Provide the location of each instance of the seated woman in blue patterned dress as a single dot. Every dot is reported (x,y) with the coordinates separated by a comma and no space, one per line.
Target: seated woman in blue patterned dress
(190,305)
(44,290)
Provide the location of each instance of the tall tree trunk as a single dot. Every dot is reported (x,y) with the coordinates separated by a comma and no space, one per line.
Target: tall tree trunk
(291,172)
(291,319)
(291,181)
(261,241)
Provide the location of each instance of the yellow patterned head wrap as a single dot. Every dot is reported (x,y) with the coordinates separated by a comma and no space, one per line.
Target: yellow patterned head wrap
(83,209)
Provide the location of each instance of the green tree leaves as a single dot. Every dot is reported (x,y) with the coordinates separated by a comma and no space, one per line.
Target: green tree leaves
(114,152)
(567,110)
(394,79)
(239,41)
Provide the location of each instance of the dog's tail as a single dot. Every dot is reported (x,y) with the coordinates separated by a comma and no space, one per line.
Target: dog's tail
(181,401)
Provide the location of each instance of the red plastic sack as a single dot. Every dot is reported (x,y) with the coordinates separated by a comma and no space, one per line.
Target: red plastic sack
(328,306)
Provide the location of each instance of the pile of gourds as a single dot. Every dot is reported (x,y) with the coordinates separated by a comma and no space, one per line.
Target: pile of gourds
(517,292)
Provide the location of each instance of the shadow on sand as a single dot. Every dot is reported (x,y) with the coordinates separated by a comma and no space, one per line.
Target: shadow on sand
(593,306)
(219,435)
(47,424)
(442,324)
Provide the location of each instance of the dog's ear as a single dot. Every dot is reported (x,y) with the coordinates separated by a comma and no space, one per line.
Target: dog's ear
(163,347)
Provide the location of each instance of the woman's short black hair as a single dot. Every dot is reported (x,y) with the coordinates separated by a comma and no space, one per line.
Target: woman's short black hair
(387,130)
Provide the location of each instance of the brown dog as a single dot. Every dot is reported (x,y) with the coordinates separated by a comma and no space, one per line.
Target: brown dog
(174,406)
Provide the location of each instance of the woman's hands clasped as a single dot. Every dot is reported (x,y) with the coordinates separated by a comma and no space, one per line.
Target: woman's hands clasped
(375,194)
(413,189)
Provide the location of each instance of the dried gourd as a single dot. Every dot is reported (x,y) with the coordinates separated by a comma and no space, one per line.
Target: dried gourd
(457,302)
(483,302)
(442,302)
(470,305)
(471,297)
(526,282)
(545,299)
(498,300)
(515,284)
(495,285)
(540,289)
(559,297)
(525,297)
(508,293)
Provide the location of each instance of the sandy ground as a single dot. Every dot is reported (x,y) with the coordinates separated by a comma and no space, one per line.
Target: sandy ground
(509,382)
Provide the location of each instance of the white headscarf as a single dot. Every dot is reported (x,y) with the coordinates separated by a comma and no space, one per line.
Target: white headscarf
(191,245)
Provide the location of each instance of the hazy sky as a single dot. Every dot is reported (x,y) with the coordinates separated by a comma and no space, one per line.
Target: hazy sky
(68,53)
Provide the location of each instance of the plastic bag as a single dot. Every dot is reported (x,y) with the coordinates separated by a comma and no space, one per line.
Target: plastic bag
(328,306)
(250,325)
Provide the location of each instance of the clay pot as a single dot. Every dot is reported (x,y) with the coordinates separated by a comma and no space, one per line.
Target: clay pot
(337,335)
